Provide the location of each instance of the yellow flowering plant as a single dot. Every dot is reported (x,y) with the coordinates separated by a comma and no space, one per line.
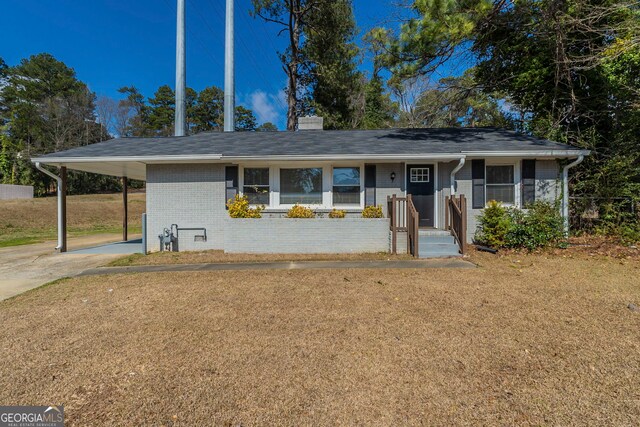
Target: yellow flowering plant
(239,208)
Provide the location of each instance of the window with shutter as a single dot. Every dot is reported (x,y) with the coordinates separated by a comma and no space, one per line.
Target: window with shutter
(528,182)
(477,177)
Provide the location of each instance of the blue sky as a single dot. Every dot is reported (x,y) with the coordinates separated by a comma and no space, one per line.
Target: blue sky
(115,43)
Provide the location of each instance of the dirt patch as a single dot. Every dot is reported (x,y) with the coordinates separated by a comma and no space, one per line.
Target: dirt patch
(215,257)
(526,340)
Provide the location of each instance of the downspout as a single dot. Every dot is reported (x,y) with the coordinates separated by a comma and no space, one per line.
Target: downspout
(59,193)
(453,175)
(565,191)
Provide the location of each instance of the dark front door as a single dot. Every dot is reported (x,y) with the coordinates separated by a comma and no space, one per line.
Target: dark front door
(420,184)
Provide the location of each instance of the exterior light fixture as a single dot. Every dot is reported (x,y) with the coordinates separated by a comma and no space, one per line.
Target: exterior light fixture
(392,176)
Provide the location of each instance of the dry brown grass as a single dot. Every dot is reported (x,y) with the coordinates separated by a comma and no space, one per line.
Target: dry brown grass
(207,257)
(28,221)
(522,340)
(582,247)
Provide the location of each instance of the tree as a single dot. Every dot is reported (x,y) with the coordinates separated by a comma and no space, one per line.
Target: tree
(320,58)
(432,35)
(107,113)
(568,67)
(191,101)
(45,109)
(132,118)
(460,102)
(572,67)
(208,112)
(245,120)
(375,108)
(290,15)
(267,127)
(162,111)
(329,49)
(3,83)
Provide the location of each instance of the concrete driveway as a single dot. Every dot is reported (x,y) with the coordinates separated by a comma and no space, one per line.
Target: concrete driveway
(29,266)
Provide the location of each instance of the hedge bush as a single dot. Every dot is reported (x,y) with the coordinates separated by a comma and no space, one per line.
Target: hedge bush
(239,208)
(540,225)
(335,213)
(298,211)
(372,212)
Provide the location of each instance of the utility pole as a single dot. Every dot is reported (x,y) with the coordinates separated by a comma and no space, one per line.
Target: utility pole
(229,72)
(180,118)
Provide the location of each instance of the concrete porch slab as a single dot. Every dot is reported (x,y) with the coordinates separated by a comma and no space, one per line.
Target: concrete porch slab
(118,248)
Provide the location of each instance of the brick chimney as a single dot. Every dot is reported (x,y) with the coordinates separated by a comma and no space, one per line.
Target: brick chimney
(310,123)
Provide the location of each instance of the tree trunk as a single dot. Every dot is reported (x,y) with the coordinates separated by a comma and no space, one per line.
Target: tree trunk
(292,96)
(293,65)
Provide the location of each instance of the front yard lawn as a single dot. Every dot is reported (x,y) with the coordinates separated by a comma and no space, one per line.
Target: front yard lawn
(522,340)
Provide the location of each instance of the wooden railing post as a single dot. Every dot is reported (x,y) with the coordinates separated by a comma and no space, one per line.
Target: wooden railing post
(409,221)
(394,230)
(463,229)
(447,226)
(416,227)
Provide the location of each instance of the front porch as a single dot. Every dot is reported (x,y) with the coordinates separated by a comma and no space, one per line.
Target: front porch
(408,236)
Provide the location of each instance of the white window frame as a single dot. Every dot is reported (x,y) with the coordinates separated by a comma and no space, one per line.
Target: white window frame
(422,173)
(353,205)
(327,183)
(241,181)
(516,179)
(324,185)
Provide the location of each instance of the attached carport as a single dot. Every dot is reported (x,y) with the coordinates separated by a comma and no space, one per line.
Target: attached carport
(122,168)
(126,247)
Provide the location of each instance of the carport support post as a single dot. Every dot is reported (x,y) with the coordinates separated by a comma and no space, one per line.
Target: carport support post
(63,207)
(125,211)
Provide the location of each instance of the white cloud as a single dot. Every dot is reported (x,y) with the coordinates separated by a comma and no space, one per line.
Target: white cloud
(267,107)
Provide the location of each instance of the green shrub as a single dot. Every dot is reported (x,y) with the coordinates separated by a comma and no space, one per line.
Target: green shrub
(337,214)
(628,233)
(493,225)
(298,211)
(540,225)
(372,212)
(239,208)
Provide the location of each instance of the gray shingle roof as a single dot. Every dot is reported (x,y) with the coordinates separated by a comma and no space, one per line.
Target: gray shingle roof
(320,143)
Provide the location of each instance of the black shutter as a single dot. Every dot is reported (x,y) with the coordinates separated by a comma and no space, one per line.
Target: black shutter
(231,182)
(370,185)
(528,182)
(477,178)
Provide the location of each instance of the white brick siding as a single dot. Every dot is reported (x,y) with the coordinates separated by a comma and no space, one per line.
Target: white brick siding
(317,235)
(189,196)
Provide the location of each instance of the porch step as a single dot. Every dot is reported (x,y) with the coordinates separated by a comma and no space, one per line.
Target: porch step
(426,240)
(437,244)
(433,232)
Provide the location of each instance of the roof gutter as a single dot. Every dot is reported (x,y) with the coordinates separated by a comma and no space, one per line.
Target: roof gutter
(528,154)
(141,159)
(59,194)
(565,192)
(461,163)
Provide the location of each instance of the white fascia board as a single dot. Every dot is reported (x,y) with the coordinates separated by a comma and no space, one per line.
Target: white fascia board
(338,157)
(527,154)
(191,158)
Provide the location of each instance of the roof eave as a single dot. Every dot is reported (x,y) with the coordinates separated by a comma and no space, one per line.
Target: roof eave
(332,157)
